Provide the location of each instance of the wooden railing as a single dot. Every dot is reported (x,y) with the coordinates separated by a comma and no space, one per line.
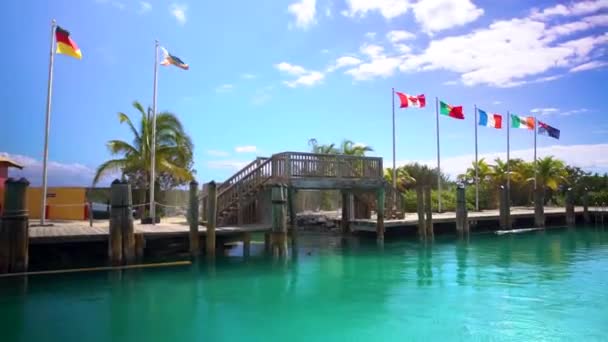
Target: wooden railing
(237,177)
(246,184)
(296,164)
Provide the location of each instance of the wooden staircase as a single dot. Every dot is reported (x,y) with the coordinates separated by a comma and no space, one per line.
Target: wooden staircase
(299,170)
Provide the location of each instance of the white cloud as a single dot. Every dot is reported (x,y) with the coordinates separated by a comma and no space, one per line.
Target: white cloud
(246,149)
(388,8)
(344,61)
(589,66)
(437,15)
(325,51)
(262,95)
(574,111)
(304,12)
(248,76)
(379,65)
(544,111)
(218,153)
(227,164)
(497,102)
(59,174)
(573,9)
(144,7)
(224,88)
(179,12)
(397,36)
(589,157)
(304,77)
(370,35)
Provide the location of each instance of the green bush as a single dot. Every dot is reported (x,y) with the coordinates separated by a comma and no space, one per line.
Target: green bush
(598,197)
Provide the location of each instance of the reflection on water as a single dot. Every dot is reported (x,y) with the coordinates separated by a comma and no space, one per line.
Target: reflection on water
(538,285)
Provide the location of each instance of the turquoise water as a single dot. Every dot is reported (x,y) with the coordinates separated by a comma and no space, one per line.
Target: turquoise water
(547,285)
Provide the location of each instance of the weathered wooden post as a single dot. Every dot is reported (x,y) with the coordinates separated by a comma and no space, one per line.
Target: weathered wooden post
(539,206)
(429,233)
(462,222)
(345,213)
(246,244)
(293,220)
(194,236)
(570,215)
(380,215)
(504,209)
(279,221)
(211,218)
(421,211)
(121,238)
(14,231)
(586,217)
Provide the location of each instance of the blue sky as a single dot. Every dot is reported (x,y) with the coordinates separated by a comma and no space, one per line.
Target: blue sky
(266,76)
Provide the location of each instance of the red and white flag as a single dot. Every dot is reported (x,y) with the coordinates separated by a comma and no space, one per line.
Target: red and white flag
(411,100)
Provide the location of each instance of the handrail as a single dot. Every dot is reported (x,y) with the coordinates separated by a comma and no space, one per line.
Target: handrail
(241,173)
(292,164)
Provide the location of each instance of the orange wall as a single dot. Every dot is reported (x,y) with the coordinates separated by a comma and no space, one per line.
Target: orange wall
(62,195)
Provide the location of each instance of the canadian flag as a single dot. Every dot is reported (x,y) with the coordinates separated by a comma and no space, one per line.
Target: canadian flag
(411,100)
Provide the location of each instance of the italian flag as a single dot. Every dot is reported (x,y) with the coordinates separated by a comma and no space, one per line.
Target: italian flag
(451,111)
(523,122)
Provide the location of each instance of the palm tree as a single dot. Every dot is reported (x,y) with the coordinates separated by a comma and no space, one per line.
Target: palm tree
(173,150)
(349,148)
(404,180)
(550,174)
(321,149)
(483,173)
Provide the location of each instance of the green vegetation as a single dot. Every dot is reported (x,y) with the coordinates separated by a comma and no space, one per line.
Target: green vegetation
(174,150)
(552,174)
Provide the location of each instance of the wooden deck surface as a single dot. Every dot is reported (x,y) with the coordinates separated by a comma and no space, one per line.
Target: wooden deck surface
(80,231)
(411,219)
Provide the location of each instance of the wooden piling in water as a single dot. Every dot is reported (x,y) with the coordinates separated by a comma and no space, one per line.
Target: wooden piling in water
(570,215)
(504,208)
(586,216)
(211,218)
(462,222)
(14,231)
(421,211)
(278,238)
(344,222)
(194,208)
(539,206)
(380,215)
(121,238)
(428,208)
(293,220)
(246,244)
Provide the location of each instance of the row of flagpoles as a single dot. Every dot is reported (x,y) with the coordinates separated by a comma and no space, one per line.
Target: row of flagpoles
(484,119)
(62,43)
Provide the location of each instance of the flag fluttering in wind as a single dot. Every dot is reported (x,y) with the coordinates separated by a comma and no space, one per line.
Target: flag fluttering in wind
(169,59)
(523,122)
(493,120)
(65,44)
(545,129)
(451,111)
(411,100)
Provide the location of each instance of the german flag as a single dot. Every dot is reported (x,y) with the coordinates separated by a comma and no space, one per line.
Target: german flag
(65,44)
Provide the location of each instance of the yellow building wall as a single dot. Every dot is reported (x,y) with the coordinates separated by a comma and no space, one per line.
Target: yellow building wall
(57,199)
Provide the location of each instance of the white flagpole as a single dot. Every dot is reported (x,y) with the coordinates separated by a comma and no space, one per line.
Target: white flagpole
(47,125)
(394,162)
(476,166)
(508,157)
(153,143)
(438,157)
(535,159)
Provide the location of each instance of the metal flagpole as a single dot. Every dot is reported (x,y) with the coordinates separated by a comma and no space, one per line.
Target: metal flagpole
(153,143)
(535,159)
(438,157)
(394,162)
(476,166)
(47,125)
(394,158)
(508,156)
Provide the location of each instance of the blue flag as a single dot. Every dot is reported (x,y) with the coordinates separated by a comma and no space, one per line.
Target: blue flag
(544,129)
